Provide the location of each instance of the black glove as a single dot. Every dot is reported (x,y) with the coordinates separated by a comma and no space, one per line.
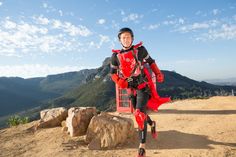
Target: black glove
(132,83)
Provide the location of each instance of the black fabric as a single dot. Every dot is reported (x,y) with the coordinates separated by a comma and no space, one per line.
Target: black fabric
(133,100)
(153,128)
(139,101)
(136,80)
(142,99)
(149,121)
(141,152)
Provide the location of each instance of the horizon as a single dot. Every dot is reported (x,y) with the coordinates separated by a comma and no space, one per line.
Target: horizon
(40,38)
(231,79)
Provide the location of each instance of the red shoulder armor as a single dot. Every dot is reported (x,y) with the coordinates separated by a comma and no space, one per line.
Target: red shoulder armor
(135,47)
(138,45)
(115,51)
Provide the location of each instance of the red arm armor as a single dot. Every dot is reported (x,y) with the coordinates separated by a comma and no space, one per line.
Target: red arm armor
(157,72)
(122,83)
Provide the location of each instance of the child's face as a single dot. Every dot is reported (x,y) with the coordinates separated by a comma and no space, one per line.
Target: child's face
(126,40)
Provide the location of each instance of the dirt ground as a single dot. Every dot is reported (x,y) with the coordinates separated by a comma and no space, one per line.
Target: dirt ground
(187,128)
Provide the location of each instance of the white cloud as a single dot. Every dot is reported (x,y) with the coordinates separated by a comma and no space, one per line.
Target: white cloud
(200,13)
(50,43)
(35,70)
(170,16)
(20,36)
(173,21)
(71,29)
(56,24)
(76,30)
(215,29)
(122,12)
(9,24)
(71,14)
(193,27)
(102,40)
(101,21)
(41,20)
(45,5)
(199,26)
(49,8)
(18,39)
(115,25)
(151,27)
(32,29)
(214,23)
(215,11)
(181,21)
(1,3)
(226,32)
(169,22)
(60,12)
(132,17)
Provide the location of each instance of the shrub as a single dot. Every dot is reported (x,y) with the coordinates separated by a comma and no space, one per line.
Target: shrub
(16,120)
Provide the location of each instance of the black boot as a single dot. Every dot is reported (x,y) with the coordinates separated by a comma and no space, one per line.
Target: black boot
(141,152)
(153,130)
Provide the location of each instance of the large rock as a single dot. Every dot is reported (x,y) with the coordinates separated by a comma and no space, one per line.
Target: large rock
(78,120)
(107,131)
(52,117)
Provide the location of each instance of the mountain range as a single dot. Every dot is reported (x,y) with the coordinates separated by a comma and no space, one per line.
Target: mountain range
(228,81)
(88,87)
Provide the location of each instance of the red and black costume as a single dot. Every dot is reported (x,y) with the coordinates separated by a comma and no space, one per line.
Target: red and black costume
(128,71)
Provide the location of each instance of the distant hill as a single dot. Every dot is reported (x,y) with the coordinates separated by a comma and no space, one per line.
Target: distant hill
(99,91)
(61,83)
(89,87)
(228,81)
(18,95)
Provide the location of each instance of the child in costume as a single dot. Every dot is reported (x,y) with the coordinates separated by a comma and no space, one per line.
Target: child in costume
(128,71)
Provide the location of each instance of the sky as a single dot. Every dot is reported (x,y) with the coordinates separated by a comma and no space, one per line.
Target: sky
(196,39)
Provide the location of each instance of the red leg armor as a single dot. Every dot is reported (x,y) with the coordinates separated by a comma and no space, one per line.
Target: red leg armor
(140,118)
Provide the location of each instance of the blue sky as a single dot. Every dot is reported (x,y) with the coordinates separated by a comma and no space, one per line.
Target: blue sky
(194,38)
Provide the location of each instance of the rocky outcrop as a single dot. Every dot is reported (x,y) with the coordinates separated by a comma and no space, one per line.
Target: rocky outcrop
(107,131)
(78,120)
(52,117)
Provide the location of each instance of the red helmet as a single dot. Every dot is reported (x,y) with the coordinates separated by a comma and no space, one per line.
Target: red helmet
(125,29)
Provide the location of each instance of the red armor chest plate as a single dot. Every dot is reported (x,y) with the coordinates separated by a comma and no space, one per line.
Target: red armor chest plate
(128,64)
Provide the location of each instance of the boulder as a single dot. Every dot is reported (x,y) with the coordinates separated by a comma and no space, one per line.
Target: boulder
(78,120)
(64,127)
(107,131)
(52,117)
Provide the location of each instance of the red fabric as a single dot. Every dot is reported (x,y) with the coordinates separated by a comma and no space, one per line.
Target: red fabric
(122,83)
(157,72)
(155,101)
(138,45)
(153,104)
(140,117)
(116,51)
(142,85)
(115,78)
(128,64)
